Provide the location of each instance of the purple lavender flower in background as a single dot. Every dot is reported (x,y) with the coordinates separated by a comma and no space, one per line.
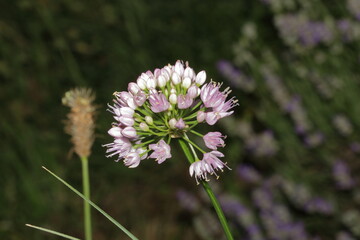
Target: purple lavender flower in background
(249,174)
(341,175)
(236,78)
(188,201)
(262,145)
(355,147)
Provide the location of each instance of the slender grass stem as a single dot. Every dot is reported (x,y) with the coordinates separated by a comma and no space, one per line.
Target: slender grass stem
(86,191)
(52,232)
(117,224)
(209,191)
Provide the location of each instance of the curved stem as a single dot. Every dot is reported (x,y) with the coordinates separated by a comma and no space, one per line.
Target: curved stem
(209,191)
(86,190)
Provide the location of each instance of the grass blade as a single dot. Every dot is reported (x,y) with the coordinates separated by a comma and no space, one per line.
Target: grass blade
(52,232)
(121,227)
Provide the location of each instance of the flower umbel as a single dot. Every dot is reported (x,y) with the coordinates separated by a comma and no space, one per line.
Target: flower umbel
(164,105)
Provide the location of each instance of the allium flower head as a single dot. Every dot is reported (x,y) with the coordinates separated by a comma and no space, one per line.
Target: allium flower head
(167,104)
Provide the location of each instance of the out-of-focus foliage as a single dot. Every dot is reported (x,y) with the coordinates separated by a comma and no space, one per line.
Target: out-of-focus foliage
(297,77)
(293,143)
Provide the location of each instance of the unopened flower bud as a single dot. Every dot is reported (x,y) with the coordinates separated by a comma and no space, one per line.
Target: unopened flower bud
(131,103)
(173,98)
(161,81)
(115,132)
(175,78)
(201,115)
(172,123)
(201,78)
(133,88)
(141,83)
(189,72)
(193,91)
(151,83)
(127,121)
(143,126)
(126,111)
(173,90)
(149,120)
(129,132)
(186,83)
(179,68)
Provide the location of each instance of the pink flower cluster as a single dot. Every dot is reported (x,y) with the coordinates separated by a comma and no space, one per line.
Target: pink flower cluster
(163,105)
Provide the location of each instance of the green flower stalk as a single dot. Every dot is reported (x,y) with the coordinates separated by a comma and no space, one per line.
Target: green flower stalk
(80,125)
(168,104)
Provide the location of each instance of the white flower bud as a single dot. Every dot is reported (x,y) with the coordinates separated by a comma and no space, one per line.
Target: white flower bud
(189,72)
(127,121)
(179,68)
(166,72)
(141,83)
(115,132)
(172,123)
(133,88)
(143,126)
(151,83)
(173,98)
(193,91)
(149,120)
(175,78)
(201,78)
(131,103)
(186,83)
(126,112)
(173,90)
(161,81)
(129,132)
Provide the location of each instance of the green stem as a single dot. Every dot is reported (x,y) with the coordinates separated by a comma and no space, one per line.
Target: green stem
(209,191)
(192,143)
(218,210)
(86,191)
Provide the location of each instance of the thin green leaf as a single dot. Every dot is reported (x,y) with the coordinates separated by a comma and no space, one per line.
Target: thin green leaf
(52,232)
(121,227)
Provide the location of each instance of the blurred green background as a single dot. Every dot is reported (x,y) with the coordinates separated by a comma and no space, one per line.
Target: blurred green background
(293,65)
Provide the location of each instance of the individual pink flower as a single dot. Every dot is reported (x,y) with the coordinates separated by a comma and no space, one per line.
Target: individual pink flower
(121,146)
(158,102)
(132,159)
(161,151)
(221,111)
(184,101)
(213,161)
(213,140)
(199,169)
(211,95)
